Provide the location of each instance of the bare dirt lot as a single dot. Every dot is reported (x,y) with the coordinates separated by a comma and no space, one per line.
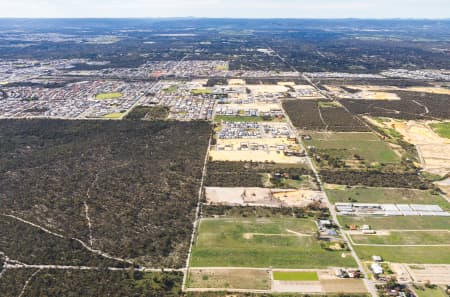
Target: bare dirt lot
(257,279)
(343,285)
(255,156)
(262,196)
(363,93)
(381,92)
(261,107)
(322,286)
(259,90)
(231,150)
(436,274)
(433,150)
(297,286)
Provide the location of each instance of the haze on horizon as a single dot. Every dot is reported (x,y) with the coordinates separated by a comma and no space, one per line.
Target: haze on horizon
(422,9)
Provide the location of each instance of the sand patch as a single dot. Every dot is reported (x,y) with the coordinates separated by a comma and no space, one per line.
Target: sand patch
(262,197)
(433,150)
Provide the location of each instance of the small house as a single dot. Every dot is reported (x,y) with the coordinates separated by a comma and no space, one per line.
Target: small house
(376,268)
(377,258)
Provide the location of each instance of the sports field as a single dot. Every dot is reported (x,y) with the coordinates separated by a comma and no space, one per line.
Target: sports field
(346,145)
(277,243)
(398,222)
(295,276)
(108,96)
(385,195)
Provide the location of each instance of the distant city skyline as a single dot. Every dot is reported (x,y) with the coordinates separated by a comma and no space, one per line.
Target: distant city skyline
(429,9)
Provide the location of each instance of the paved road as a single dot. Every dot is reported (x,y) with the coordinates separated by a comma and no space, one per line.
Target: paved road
(369,284)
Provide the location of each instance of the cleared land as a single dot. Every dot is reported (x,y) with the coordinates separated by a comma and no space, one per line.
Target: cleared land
(417,89)
(436,274)
(326,286)
(227,118)
(362,93)
(432,148)
(229,279)
(139,179)
(279,243)
(262,197)
(386,195)
(343,285)
(412,106)
(254,156)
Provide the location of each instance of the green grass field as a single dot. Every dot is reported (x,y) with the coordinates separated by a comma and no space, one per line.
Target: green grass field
(330,104)
(386,195)
(346,145)
(171,89)
(405,237)
(399,222)
(295,276)
(426,292)
(115,115)
(442,129)
(263,243)
(108,96)
(406,254)
(201,91)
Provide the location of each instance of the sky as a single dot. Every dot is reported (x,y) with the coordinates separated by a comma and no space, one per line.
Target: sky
(226,8)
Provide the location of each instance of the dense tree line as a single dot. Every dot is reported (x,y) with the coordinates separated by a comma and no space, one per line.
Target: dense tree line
(25,243)
(410,107)
(375,179)
(74,283)
(247,174)
(149,113)
(309,115)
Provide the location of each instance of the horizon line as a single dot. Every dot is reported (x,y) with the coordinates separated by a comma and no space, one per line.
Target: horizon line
(224,18)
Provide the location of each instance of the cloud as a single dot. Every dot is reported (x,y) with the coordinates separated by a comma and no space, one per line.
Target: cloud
(227,8)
